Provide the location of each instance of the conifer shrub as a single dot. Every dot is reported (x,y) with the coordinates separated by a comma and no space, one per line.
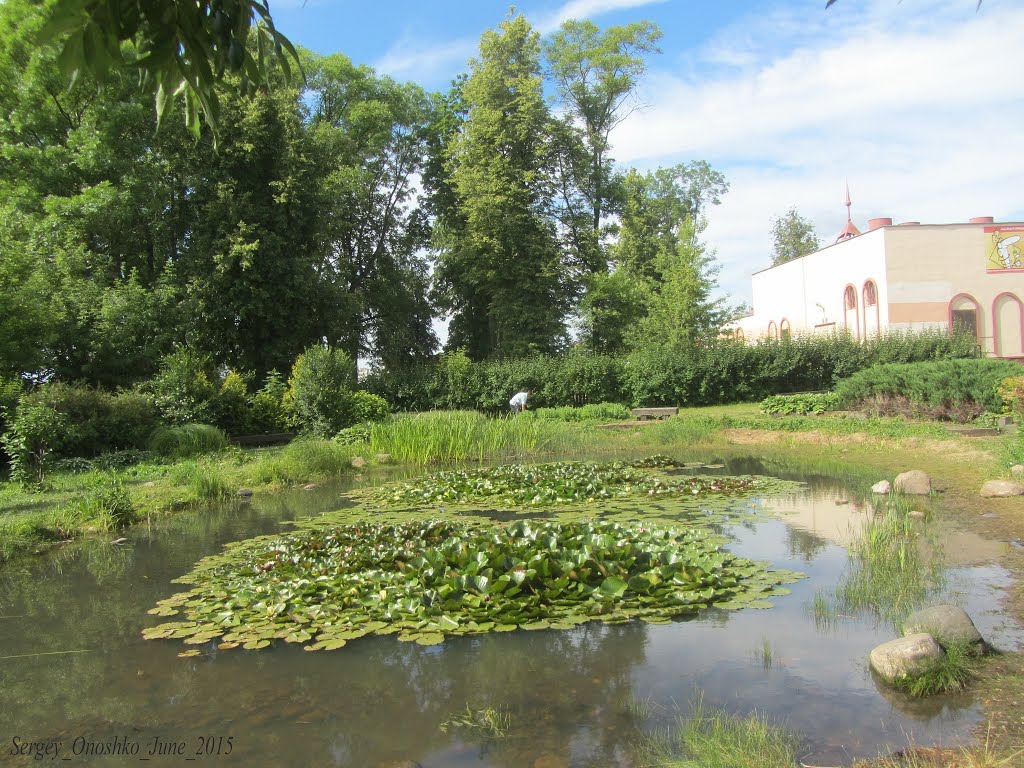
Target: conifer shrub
(320,391)
(951,390)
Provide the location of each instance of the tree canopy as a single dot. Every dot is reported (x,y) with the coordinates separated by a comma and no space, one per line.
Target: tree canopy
(792,237)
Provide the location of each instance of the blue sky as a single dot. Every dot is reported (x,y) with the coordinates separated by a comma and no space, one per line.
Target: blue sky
(917,104)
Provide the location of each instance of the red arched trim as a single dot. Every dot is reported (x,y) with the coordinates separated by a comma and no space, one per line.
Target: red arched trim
(739,334)
(773,331)
(864,303)
(995,320)
(851,292)
(977,312)
(784,328)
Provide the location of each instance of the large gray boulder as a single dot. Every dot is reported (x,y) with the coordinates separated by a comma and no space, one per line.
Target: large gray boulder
(949,624)
(906,656)
(998,489)
(913,483)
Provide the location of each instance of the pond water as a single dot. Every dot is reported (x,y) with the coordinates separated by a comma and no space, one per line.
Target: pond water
(75,669)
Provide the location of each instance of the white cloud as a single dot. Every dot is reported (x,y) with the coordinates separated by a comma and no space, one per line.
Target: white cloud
(920,110)
(586,9)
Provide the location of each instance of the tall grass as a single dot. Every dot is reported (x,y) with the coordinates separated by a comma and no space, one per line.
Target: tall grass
(452,436)
(716,739)
(891,574)
(187,440)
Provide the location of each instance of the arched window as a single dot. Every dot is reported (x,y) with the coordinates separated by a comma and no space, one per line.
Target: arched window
(965,314)
(872,320)
(851,313)
(784,331)
(773,331)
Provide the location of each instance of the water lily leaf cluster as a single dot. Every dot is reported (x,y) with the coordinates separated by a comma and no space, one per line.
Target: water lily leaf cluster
(426,580)
(562,483)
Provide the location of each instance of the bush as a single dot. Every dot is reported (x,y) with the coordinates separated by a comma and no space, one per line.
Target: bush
(187,440)
(106,503)
(185,388)
(589,412)
(320,390)
(267,407)
(801,405)
(958,390)
(354,435)
(367,406)
(35,432)
(1011,392)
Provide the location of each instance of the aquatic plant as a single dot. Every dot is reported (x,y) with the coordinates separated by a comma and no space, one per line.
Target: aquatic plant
(562,483)
(492,722)
(951,673)
(426,580)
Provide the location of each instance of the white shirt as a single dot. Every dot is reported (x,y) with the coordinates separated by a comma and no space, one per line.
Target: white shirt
(518,400)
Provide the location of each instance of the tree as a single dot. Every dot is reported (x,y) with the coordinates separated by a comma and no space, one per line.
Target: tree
(176,46)
(596,74)
(792,237)
(503,277)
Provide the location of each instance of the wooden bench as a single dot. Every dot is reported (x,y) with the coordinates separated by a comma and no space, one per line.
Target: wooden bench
(643,414)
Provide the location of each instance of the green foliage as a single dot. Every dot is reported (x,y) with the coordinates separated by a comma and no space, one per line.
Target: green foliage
(953,672)
(357,434)
(802,405)
(267,409)
(428,580)
(792,237)
(320,391)
(717,739)
(185,388)
(589,412)
(206,481)
(35,432)
(1011,391)
(184,440)
(105,504)
(958,390)
(178,47)
(367,406)
(719,371)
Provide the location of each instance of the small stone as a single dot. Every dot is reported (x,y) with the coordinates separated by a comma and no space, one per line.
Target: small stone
(916,514)
(1017,469)
(383,458)
(997,489)
(310,486)
(913,483)
(946,623)
(245,492)
(358,461)
(150,484)
(905,656)
(882,486)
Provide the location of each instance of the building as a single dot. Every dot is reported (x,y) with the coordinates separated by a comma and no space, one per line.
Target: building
(907,276)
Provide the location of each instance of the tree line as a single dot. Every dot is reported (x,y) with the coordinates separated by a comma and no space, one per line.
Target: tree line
(343,208)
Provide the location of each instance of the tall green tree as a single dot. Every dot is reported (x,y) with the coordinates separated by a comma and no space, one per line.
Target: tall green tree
(370,138)
(504,280)
(792,237)
(596,75)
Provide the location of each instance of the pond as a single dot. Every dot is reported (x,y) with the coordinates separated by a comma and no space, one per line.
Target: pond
(77,671)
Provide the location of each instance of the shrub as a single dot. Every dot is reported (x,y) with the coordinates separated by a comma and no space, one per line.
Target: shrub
(589,412)
(35,432)
(1011,391)
(230,408)
(320,391)
(802,405)
(185,388)
(367,406)
(354,435)
(187,440)
(106,503)
(958,390)
(267,407)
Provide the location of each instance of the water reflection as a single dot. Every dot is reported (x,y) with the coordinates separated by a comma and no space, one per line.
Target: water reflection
(567,693)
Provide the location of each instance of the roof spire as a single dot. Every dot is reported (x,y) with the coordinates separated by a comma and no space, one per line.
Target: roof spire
(850,230)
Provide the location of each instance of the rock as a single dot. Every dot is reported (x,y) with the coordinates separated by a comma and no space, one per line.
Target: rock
(245,492)
(998,489)
(905,656)
(358,461)
(882,486)
(1017,469)
(150,484)
(383,458)
(946,623)
(913,483)
(550,761)
(310,486)
(916,514)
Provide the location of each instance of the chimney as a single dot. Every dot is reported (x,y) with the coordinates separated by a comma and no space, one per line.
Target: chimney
(879,223)
(981,220)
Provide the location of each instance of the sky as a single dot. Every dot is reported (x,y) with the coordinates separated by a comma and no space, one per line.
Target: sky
(916,104)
